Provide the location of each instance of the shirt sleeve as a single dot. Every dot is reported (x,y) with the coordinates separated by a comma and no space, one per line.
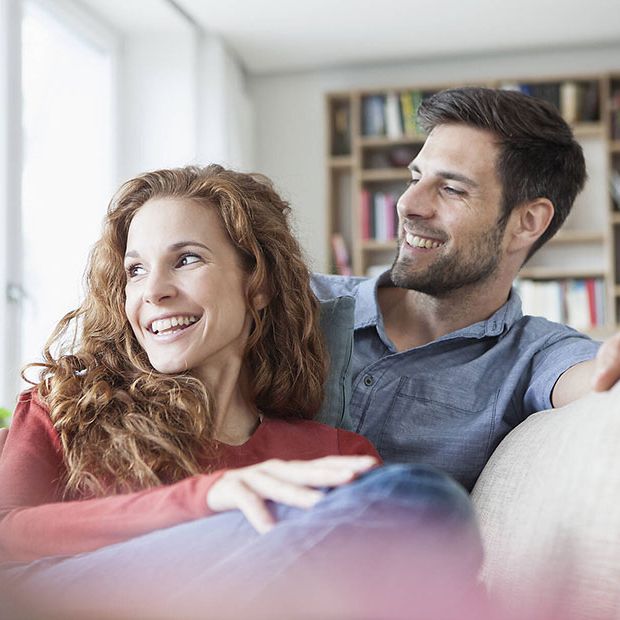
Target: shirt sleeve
(563,350)
(35,522)
(352,444)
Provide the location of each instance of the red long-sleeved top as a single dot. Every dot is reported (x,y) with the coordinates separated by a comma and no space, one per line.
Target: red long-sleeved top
(35,522)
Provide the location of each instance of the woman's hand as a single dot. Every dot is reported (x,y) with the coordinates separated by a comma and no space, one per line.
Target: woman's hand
(288,482)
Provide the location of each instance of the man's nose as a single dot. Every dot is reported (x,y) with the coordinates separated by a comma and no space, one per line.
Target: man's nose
(416,201)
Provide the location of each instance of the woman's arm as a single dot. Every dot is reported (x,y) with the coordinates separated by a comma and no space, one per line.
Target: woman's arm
(35,522)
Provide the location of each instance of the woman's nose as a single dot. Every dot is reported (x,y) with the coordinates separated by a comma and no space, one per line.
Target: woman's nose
(159,287)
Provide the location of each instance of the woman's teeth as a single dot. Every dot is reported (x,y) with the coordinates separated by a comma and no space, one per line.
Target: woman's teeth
(163,325)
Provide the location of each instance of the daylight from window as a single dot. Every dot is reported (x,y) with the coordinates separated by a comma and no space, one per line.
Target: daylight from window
(67,171)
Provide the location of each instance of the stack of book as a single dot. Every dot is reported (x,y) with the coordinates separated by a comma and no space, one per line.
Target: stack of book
(378,218)
(577,101)
(393,115)
(578,303)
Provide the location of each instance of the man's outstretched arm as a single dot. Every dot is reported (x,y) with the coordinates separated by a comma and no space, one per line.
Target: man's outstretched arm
(598,374)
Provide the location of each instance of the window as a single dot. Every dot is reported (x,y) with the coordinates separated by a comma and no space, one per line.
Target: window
(67,165)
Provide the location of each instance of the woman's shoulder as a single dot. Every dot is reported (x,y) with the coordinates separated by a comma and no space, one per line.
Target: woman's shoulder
(31,410)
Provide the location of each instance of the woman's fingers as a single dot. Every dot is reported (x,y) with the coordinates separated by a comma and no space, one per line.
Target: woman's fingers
(325,472)
(292,483)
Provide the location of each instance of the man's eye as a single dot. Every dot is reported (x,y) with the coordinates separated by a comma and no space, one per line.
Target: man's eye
(412,182)
(188,259)
(453,190)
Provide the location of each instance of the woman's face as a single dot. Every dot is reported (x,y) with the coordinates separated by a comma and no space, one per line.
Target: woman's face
(185,291)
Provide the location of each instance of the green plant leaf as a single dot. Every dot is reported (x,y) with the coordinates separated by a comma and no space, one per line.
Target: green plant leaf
(5,416)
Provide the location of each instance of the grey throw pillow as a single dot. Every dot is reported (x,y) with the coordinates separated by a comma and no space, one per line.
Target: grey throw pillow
(337,325)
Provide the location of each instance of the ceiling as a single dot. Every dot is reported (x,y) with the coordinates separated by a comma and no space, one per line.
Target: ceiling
(282,35)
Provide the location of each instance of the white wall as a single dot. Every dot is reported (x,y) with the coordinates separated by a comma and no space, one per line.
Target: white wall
(289,108)
(183,100)
(157,102)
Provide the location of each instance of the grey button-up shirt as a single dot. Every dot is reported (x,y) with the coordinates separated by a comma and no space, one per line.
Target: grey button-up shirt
(449,403)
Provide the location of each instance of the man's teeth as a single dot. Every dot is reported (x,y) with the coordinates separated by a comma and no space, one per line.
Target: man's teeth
(421,242)
(162,325)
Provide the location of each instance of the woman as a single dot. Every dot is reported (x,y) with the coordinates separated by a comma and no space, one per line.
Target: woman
(183,387)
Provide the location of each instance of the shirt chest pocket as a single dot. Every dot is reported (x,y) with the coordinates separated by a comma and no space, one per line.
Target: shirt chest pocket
(441,423)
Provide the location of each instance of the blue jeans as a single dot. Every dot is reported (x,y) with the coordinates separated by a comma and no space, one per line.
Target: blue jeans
(398,539)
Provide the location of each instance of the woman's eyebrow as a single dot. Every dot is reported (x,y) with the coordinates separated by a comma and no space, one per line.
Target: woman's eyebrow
(173,248)
(182,244)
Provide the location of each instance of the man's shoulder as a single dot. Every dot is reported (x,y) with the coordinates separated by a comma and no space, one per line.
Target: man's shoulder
(540,334)
(329,286)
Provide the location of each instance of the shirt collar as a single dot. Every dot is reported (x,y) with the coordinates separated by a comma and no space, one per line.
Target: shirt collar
(367,311)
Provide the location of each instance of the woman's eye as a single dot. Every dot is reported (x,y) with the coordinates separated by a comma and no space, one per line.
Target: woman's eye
(134,270)
(188,259)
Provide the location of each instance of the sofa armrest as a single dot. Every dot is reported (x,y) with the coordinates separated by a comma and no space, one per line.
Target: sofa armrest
(548,504)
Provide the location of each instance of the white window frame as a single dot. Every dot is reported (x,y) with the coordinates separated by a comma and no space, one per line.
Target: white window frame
(96,32)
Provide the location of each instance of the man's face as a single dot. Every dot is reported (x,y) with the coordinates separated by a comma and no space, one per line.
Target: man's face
(449,236)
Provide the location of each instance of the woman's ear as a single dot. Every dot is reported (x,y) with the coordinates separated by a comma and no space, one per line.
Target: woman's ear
(260,300)
(528,222)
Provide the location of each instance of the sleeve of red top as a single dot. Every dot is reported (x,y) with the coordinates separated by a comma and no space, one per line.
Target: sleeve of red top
(35,523)
(353,444)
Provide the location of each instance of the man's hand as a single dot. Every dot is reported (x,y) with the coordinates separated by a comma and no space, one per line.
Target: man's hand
(288,482)
(607,364)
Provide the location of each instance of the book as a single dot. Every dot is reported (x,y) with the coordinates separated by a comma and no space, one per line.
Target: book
(373,115)
(341,138)
(393,120)
(569,101)
(341,255)
(365,214)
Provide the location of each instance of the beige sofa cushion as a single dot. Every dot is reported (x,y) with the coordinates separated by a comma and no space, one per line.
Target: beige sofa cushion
(548,503)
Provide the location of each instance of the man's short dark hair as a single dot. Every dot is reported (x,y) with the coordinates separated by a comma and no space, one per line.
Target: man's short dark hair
(539,156)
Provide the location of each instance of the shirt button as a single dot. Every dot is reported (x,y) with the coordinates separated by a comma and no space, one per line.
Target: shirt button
(369,380)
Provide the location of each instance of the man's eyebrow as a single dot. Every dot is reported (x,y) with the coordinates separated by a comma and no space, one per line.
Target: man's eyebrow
(447,174)
(173,248)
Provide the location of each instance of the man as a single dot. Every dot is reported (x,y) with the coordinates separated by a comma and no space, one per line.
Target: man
(444,362)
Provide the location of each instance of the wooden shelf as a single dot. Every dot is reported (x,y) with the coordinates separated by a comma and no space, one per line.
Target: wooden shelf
(553,273)
(590,129)
(379,141)
(614,146)
(340,161)
(371,245)
(578,236)
(385,174)
(615,217)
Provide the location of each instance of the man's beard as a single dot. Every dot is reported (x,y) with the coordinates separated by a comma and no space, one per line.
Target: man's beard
(452,271)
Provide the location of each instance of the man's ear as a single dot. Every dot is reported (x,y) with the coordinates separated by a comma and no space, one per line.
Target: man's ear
(528,222)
